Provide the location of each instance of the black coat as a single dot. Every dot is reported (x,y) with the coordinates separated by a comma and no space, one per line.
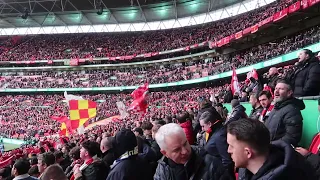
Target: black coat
(282,163)
(285,121)
(132,168)
(108,157)
(204,167)
(314,160)
(272,81)
(237,113)
(208,108)
(256,112)
(306,79)
(95,171)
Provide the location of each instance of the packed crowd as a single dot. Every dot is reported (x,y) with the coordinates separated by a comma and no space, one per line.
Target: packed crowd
(160,74)
(66,46)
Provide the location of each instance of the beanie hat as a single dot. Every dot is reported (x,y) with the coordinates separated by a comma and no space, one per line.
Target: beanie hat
(124,141)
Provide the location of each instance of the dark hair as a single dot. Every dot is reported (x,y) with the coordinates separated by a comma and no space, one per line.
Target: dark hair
(235,102)
(253,132)
(33,161)
(207,117)
(284,81)
(309,52)
(139,130)
(22,166)
(58,154)
(255,95)
(33,171)
(75,153)
(168,119)
(92,147)
(183,117)
(146,125)
(266,93)
(47,158)
(54,172)
(161,122)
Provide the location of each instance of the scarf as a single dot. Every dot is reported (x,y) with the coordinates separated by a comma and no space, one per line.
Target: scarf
(209,131)
(124,156)
(265,112)
(85,165)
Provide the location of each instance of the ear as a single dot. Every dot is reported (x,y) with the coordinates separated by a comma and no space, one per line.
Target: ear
(163,152)
(248,152)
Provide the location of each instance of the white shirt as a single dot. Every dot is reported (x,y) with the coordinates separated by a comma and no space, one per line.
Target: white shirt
(23,176)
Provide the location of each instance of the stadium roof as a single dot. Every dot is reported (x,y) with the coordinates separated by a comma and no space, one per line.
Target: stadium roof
(84,12)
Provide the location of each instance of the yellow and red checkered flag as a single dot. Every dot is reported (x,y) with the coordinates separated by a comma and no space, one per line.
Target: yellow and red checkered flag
(81,111)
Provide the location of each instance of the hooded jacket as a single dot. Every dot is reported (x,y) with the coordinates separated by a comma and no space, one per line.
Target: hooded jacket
(282,163)
(285,121)
(188,130)
(306,79)
(256,112)
(237,113)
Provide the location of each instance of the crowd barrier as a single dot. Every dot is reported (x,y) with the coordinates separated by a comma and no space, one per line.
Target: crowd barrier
(311,118)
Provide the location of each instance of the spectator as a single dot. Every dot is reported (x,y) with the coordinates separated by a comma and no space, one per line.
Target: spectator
(285,120)
(75,156)
(44,161)
(249,146)
(92,168)
(128,165)
(256,107)
(5,173)
(54,172)
(147,127)
(185,122)
(273,77)
(238,111)
(223,111)
(34,171)
(265,99)
(138,132)
(215,140)
(244,96)
(306,77)
(64,163)
(180,161)
(20,170)
(107,151)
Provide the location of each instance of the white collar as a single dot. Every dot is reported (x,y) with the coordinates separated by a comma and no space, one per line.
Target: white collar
(23,176)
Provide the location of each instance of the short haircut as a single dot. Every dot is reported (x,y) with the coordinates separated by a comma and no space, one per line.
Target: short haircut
(207,117)
(22,166)
(183,117)
(47,158)
(252,132)
(75,153)
(309,52)
(33,171)
(255,95)
(168,130)
(146,125)
(284,81)
(156,127)
(92,147)
(54,172)
(161,122)
(235,102)
(58,154)
(107,142)
(33,161)
(266,93)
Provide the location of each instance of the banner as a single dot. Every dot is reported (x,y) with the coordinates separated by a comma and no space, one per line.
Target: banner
(295,7)
(312,2)
(246,31)
(266,21)
(147,55)
(154,53)
(187,48)
(212,44)
(304,4)
(279,15)
(50,62)
(231,37)
(238,35)
(254,28)
(73,62)
(112,58)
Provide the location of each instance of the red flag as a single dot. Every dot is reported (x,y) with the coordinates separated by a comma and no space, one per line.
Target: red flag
(279,15)
(238,35)
(6,162)
(254,28)
(234,82)
(137,93)
(304,4)
(140,99)
(295,7)
(253,73)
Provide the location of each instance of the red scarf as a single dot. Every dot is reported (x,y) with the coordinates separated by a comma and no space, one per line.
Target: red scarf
(266,112)
(83,166)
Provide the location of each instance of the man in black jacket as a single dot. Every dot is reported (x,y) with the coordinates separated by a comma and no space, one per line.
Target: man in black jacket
(250,149)
(238,111)
(128,164)
(107,151)
(256,107)
(306,76)
(93,168)
(285,120)
(180,161)
(273,77)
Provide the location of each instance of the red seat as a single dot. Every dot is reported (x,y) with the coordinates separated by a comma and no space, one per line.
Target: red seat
(314,146)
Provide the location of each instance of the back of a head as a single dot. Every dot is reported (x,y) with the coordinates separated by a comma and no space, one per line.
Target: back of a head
(183,117)
(146,125)
(168,130)
(22,166)
(252,132)
(235,102)
(75,153)
(47,158)
(124,141)
(107,142)
(54,172)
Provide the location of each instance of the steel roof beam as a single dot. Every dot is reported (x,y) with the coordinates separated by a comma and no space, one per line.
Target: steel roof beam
(142,12)
(175,9)
(35,1)
(49,12)
(111,14)
(82,14)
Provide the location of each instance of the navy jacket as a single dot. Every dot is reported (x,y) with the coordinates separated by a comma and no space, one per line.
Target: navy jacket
(282,163)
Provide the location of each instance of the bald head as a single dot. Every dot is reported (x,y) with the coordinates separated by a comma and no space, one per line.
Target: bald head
(273,71)
(106,144)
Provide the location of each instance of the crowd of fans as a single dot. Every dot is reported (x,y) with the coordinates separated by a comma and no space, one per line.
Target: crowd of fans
(160,74)
(66,46)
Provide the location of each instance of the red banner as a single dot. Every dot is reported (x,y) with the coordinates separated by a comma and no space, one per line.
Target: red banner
(219,43)
(295,7)
(147,55)
(246,31)
(279,15)
(187,48)
(231,37)
(266,21)
(226,40)
(238,35)
(129,57)
(112,58)
(73,62)
(122,58)
(254,28)
(212,44)
(50,62)
(312,2)
(304,4)
(81,60)
(154,53)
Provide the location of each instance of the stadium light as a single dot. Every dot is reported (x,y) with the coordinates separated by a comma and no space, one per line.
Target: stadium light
(100,10)
(26,14)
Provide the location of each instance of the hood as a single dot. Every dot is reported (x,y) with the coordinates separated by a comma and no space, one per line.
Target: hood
(294,101)
(186,125)
(239,108)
